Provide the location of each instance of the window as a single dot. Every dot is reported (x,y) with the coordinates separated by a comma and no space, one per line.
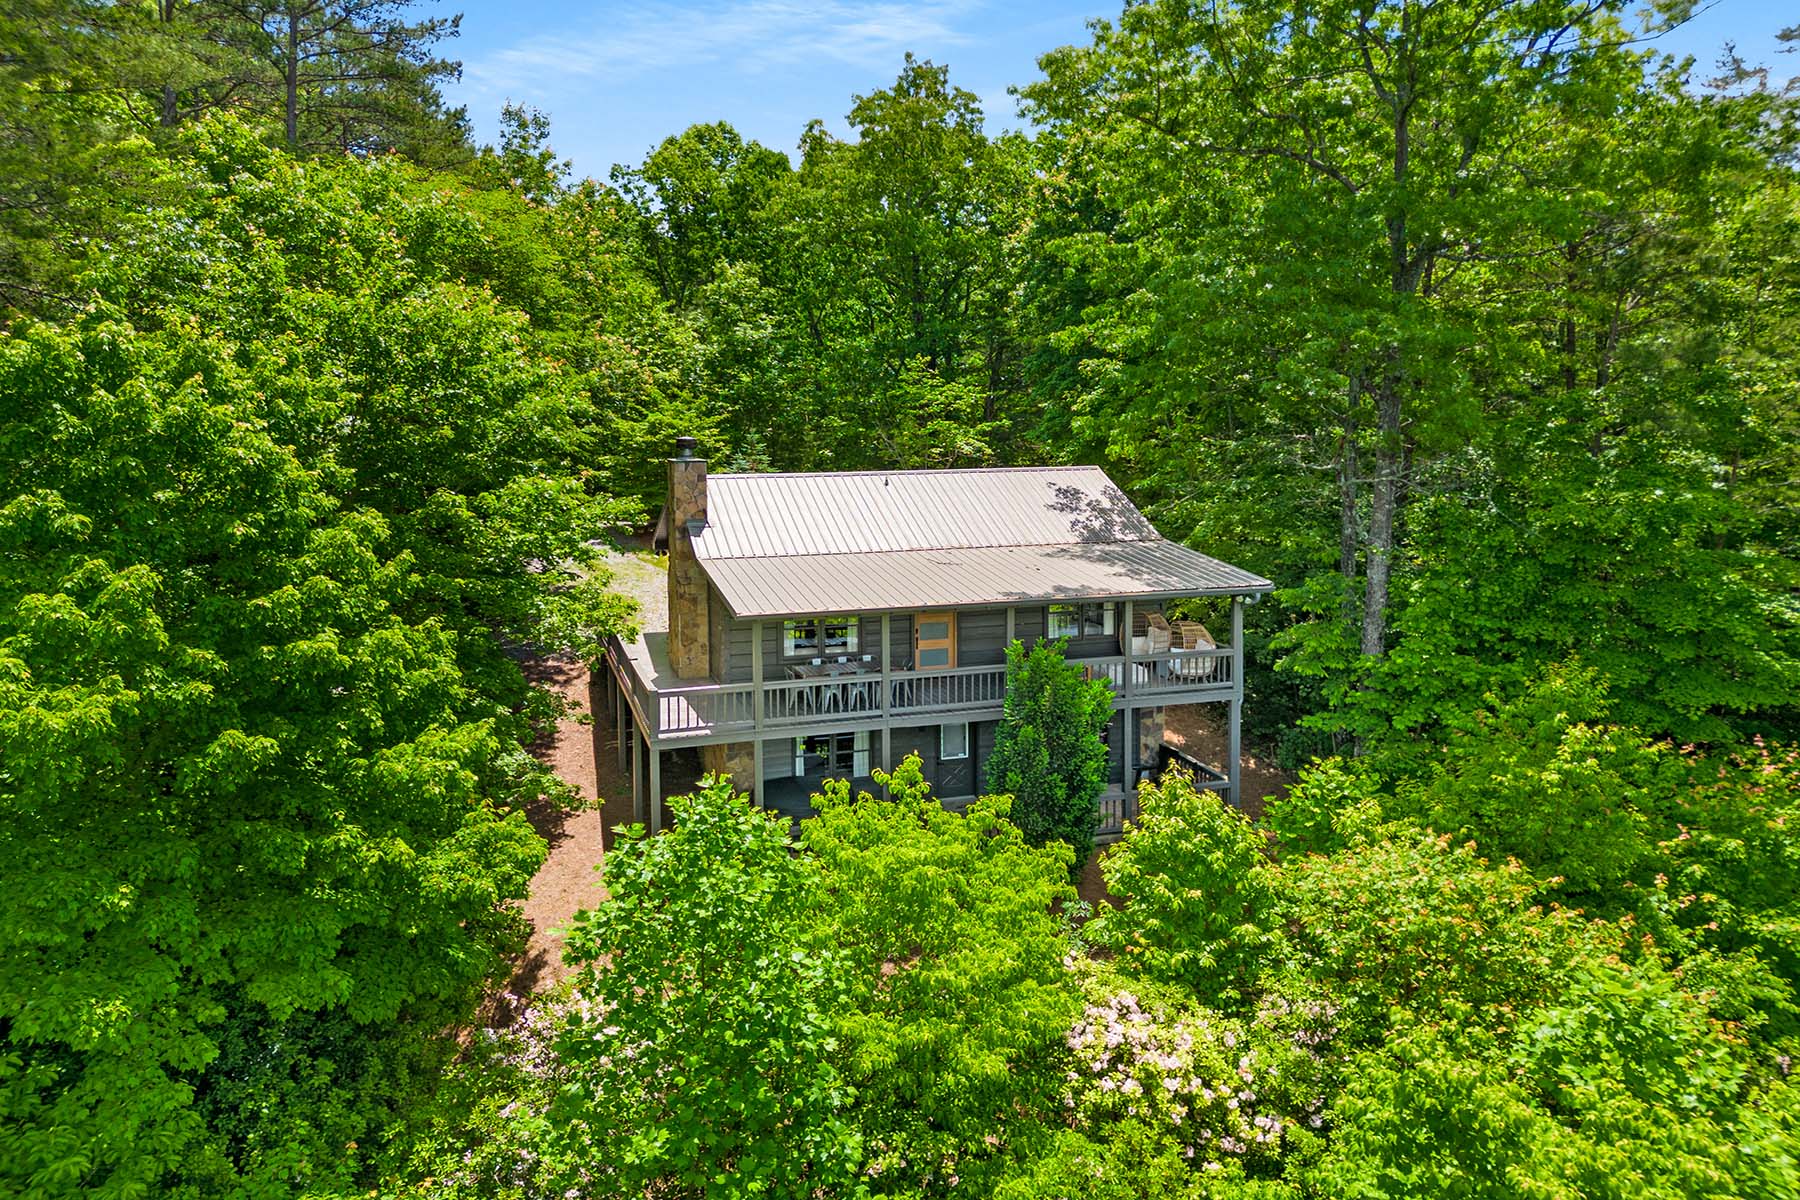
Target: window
(953,741)
(838,755)
(1081,620)
(819,637)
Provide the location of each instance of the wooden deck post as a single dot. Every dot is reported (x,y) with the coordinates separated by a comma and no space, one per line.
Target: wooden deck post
(650,748)
(887,691)
(1012,625)
(756,674)
(1128,776)
(1130,662)
(756,769)
(637,811)
(1233,749)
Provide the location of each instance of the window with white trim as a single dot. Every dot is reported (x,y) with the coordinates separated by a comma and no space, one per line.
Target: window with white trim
(953,741)
(819,637)
(837,755)
(1081,620)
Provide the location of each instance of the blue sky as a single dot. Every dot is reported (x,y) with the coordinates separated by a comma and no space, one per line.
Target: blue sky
(618,78)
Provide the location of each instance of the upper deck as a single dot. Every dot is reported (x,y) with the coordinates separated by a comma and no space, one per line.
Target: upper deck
(860,690)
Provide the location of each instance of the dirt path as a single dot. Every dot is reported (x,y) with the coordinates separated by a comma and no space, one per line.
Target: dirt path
(569,880)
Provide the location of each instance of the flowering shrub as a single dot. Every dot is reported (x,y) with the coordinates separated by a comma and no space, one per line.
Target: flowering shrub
(900,1010)
(484,1130)
(1229,1093)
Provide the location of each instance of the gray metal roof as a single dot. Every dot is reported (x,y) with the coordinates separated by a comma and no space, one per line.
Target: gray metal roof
(905,580)
(782,545)
(863,512)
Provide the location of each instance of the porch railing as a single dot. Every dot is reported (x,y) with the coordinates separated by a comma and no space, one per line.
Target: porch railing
(1115,807)
(706,708)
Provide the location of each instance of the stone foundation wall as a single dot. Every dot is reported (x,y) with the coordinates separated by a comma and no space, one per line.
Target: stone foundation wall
(736,759)
(1150,735)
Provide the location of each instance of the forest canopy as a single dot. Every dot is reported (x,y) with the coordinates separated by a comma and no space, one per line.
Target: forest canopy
(1475,327)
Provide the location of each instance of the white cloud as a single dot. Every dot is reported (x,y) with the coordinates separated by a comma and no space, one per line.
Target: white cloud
(749,36)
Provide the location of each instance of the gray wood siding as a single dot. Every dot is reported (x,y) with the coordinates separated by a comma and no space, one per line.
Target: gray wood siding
(1102,646)
(718,632)
(985,732)
(980,639)
(947,777)
(950,778)
(737,665)
(778,758)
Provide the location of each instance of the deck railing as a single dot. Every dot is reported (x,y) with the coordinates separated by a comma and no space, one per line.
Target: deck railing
(948,689)
(1114,808)
(707,708)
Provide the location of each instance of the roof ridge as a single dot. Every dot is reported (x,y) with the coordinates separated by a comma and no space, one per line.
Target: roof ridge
(1143,541)
(904,471)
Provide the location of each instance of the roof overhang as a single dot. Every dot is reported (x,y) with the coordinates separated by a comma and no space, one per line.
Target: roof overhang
(909,580)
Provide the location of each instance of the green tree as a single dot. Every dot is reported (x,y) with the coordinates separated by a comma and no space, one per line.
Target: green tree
(1383,144)
(524,161)
(261,733)
(1645,1105)
(960,999)
(1368,264)
(883,1012)
(698,198)
(704,1057)
(348,74)
(893,272)
(71,160)
(242,784)
(1048,753)
(1196,900)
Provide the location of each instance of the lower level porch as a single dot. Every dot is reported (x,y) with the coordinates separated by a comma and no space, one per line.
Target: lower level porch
(793,796)
(783,769)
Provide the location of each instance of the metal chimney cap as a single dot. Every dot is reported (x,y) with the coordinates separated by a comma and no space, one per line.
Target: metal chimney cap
(685,447)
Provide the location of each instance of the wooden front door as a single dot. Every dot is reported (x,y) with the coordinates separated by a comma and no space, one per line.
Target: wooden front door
(934,641)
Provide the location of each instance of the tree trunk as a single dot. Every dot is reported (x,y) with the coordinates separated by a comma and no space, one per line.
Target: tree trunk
(293,79)
(171,112)
(1346,480)
(1383,501)
(1407,268)
(1568,334)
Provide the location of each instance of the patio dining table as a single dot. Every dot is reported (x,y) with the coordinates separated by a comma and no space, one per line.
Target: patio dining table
(831,698)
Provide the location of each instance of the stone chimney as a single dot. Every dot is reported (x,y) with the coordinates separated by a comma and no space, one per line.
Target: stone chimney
(689,651)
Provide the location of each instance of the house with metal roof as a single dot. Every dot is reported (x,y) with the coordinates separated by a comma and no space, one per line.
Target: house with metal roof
(823,624)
